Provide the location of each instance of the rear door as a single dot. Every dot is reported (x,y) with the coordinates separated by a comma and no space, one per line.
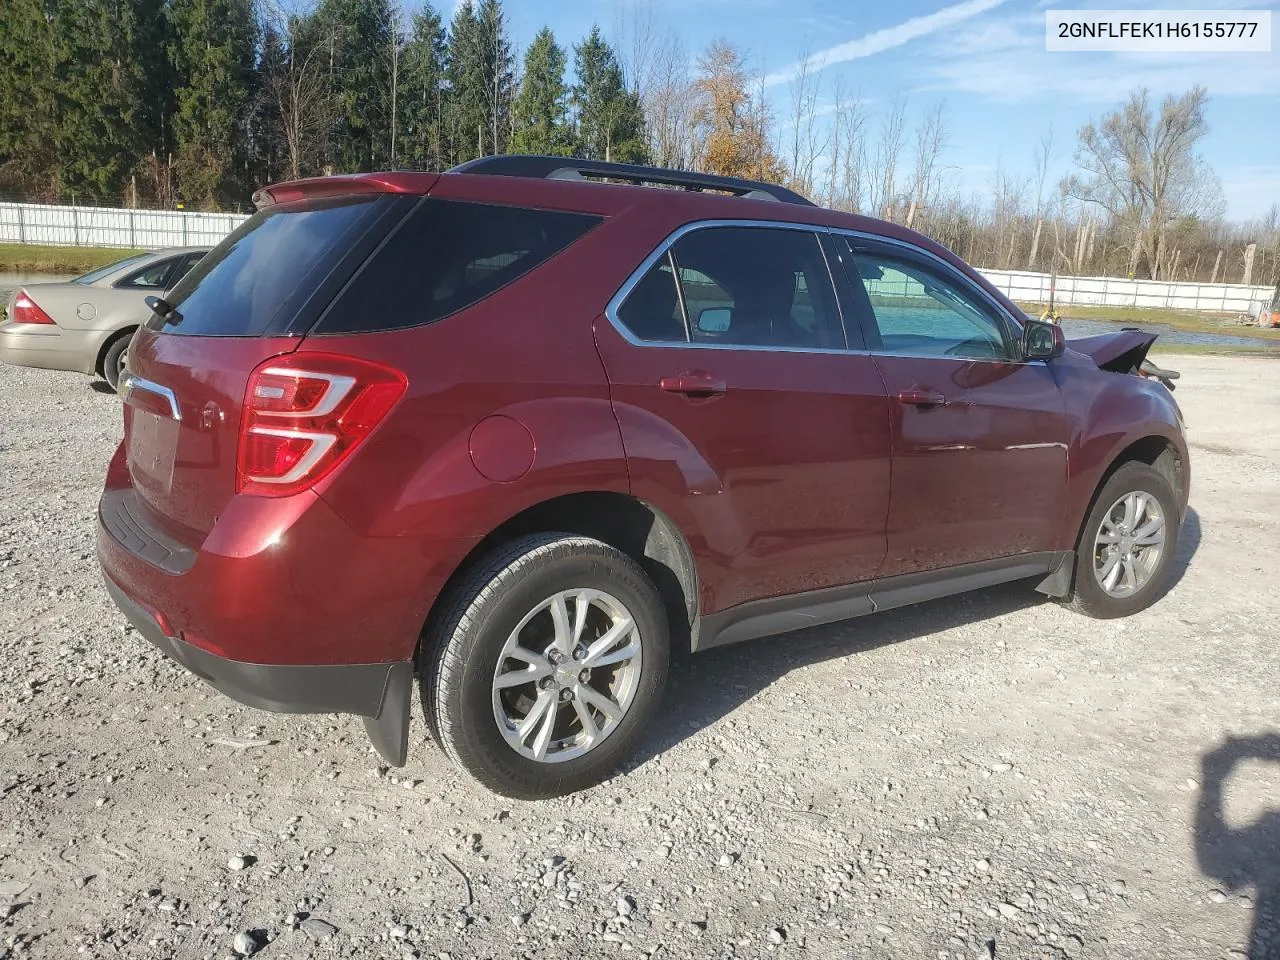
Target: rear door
(979,437)
(246,301)
(736,395)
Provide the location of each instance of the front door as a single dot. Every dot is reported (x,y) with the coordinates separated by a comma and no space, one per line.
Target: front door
(979,437)
(745,417)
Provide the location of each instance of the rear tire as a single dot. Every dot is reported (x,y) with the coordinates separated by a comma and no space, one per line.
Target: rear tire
(553,608)
(1125,552)
(114,359)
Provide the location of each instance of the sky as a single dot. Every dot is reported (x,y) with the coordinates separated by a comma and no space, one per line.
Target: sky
(984,59)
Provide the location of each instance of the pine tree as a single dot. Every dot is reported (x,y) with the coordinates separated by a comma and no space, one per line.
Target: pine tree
(361,82)
(610,117)
(100,129)
(212,47)
(541,112)
(422,94)
(480,81)
(27,118)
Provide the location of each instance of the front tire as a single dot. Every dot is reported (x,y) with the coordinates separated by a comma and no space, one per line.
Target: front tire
(545,664)
(1125,552)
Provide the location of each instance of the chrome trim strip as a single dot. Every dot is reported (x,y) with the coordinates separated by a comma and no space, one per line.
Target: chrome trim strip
(948,267)
(616,301)
(131,382)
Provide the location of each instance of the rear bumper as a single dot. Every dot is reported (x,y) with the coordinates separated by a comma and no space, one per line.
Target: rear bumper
(48,347)
(379,692)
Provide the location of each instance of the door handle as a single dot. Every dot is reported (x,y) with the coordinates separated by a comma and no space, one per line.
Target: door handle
(922,397)
(693,384)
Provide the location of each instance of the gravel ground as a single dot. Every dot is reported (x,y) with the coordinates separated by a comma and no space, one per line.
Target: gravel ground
(986,776)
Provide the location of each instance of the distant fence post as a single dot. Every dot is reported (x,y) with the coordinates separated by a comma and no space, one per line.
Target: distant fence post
(75,226)
(22,225)
(184,228)
(133,230)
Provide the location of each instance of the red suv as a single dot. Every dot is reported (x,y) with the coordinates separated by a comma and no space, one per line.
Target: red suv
(510,434)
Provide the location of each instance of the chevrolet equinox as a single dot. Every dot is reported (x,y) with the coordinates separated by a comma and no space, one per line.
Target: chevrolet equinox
(509,434)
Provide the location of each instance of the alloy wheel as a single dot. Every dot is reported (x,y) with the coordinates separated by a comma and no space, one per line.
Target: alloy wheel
(567,675)
(1129,544)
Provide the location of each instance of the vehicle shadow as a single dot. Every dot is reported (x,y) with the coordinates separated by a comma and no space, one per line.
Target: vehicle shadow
(705,687)
(101,386)
(1245,856)
(1188,544)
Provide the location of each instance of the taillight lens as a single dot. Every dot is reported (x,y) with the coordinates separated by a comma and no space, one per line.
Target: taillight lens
(26,310)
(304,414)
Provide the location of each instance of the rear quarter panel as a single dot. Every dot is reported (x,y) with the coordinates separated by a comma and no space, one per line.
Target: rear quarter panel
(523,359)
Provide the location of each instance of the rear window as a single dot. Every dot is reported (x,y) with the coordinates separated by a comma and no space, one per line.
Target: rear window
(446,256)
(251,277)
(93,276)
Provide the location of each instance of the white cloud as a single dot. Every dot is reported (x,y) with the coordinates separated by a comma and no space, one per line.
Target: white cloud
(887,38)
(1005,61)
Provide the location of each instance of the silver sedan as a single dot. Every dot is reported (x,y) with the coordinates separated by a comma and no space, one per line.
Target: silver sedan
(85,324)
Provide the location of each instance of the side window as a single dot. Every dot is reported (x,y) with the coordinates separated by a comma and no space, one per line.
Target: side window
(920,311)
(447,256)
(754,286)
(184,264)
(150,277)
(652,308)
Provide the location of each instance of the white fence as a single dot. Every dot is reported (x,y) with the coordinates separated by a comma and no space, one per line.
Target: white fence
(105,227)
(150,229)
(1115,292)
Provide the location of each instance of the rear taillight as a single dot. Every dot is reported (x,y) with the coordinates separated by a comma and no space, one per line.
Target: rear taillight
(304,414)
(26,310)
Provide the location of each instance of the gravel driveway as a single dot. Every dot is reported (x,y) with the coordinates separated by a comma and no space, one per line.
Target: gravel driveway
(986,776)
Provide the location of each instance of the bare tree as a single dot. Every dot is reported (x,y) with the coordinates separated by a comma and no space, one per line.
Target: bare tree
(297,83)
(848,150)
(931,139)
(882,193)
(1044,157)
(1142,168)
(669,104)
(806,133)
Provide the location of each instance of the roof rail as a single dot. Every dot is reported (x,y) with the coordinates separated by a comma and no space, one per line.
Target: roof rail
(572,168)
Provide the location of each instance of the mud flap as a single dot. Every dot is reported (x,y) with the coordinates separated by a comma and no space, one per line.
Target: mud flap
(1058,582)
(389,730)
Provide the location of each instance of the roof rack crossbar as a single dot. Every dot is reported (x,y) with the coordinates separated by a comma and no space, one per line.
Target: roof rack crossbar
(572,168)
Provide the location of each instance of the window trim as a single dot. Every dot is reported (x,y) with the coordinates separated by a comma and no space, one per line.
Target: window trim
(663,248)
(125,282)
(367,257)
(1011,325)
(1009,332)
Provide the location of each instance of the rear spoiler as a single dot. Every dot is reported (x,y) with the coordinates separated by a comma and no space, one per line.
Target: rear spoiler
(344,185)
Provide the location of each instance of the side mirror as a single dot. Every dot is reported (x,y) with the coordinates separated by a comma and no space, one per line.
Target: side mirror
(714,320)
(1042,341)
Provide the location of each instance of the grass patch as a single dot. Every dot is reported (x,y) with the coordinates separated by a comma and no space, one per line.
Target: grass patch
(1193,321)
(35,258)
(1211,349)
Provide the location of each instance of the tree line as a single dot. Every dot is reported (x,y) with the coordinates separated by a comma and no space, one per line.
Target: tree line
(158,102)
(201,101)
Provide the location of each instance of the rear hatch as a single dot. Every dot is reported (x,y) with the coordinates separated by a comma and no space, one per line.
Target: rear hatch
(253,297)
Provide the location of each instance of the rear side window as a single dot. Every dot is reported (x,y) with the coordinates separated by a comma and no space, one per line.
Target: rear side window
(93,276)
(251,276)
(652,309)
(446,256)
(151,277)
